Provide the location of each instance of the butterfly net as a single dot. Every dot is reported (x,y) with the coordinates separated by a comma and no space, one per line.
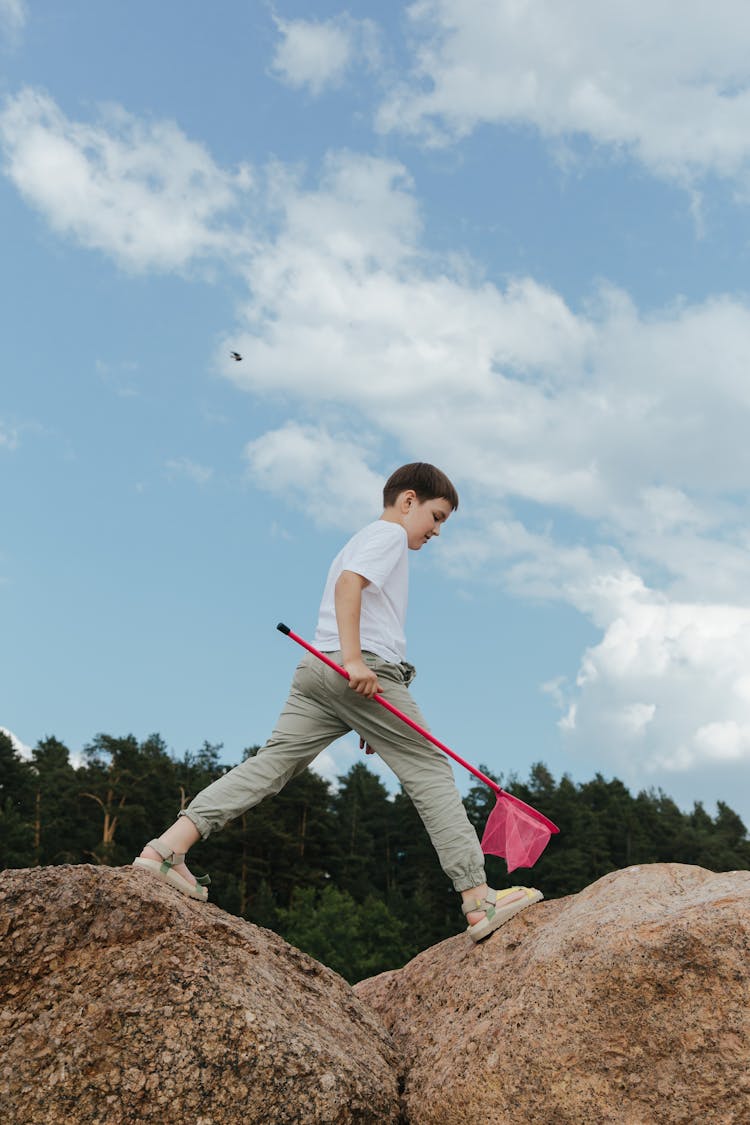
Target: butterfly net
(516,835)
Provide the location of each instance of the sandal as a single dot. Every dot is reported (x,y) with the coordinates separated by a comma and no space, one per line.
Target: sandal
(495,912)
(165,872)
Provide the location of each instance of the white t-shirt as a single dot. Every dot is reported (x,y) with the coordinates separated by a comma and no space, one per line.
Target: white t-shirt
(379,552)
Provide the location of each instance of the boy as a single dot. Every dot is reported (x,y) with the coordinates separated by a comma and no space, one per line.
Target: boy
(361,626)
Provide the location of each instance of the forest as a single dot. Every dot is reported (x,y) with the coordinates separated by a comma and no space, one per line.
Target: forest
(346,873)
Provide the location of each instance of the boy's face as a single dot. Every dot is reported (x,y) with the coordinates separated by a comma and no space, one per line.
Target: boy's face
(422,519)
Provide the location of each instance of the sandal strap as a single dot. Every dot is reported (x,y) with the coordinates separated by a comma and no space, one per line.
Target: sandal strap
(472,904)
(170,857)
(490,900)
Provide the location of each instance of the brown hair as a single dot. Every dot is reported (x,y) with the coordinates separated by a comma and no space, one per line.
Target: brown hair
(427,481)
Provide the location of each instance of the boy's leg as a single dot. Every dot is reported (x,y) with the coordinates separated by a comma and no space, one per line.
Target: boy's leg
(304,728)
(427,778)
(422,769)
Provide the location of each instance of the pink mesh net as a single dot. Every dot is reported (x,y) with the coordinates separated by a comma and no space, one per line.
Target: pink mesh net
(515,834)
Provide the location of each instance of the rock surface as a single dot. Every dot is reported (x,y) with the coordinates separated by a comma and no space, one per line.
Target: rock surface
(122,1001)
(627,1003)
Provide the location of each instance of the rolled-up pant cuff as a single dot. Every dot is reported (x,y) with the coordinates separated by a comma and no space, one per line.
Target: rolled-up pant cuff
(476,877)
(200,822)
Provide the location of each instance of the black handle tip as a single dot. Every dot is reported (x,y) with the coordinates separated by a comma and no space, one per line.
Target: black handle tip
(283,628)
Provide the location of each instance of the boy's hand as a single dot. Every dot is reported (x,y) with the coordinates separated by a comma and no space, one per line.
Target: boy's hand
(362,679)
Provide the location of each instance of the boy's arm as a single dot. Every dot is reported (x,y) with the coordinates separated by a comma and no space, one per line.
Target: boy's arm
(348,602)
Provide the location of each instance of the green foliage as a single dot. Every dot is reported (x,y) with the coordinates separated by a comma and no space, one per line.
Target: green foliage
(354,939)
(604,828)
(16,837)
(61,825)
(16,804)
(16,777)
(364,862)
(349,875)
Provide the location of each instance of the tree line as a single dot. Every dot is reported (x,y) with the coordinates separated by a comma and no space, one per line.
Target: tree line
(345,873)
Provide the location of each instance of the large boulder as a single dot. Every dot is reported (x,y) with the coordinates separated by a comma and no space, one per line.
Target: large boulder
(122,1001)
(627,1003)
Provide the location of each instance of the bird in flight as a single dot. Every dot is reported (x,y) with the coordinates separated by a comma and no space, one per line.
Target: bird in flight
(236,355)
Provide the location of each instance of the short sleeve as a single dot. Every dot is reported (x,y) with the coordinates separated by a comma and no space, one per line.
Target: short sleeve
(376,555)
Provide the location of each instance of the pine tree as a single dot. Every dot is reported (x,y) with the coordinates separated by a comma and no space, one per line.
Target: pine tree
(354,939)
(421,894)
(286,842)
(59,826)
(16,807)
(365,863)
(345,874)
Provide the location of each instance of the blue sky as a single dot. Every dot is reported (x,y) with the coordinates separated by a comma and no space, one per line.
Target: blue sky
(508,238)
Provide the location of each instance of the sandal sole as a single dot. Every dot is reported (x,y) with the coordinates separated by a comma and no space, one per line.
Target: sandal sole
(483,929)
(173,879)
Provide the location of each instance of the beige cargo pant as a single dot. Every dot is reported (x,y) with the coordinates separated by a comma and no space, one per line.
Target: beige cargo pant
(321,708)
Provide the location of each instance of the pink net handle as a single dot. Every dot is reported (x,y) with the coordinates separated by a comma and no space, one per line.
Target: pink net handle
(421,730)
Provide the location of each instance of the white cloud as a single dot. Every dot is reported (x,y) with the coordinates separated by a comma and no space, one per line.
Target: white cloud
(635,717)
(538,565)
(119,377)
(184,467)
(666,690)
(8,437)
(13,15)
(668,83)
(663,691)
(318,53)
(324,476)
(631,426)
(635,423)
(140,191)
(724,741)
(20,747)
